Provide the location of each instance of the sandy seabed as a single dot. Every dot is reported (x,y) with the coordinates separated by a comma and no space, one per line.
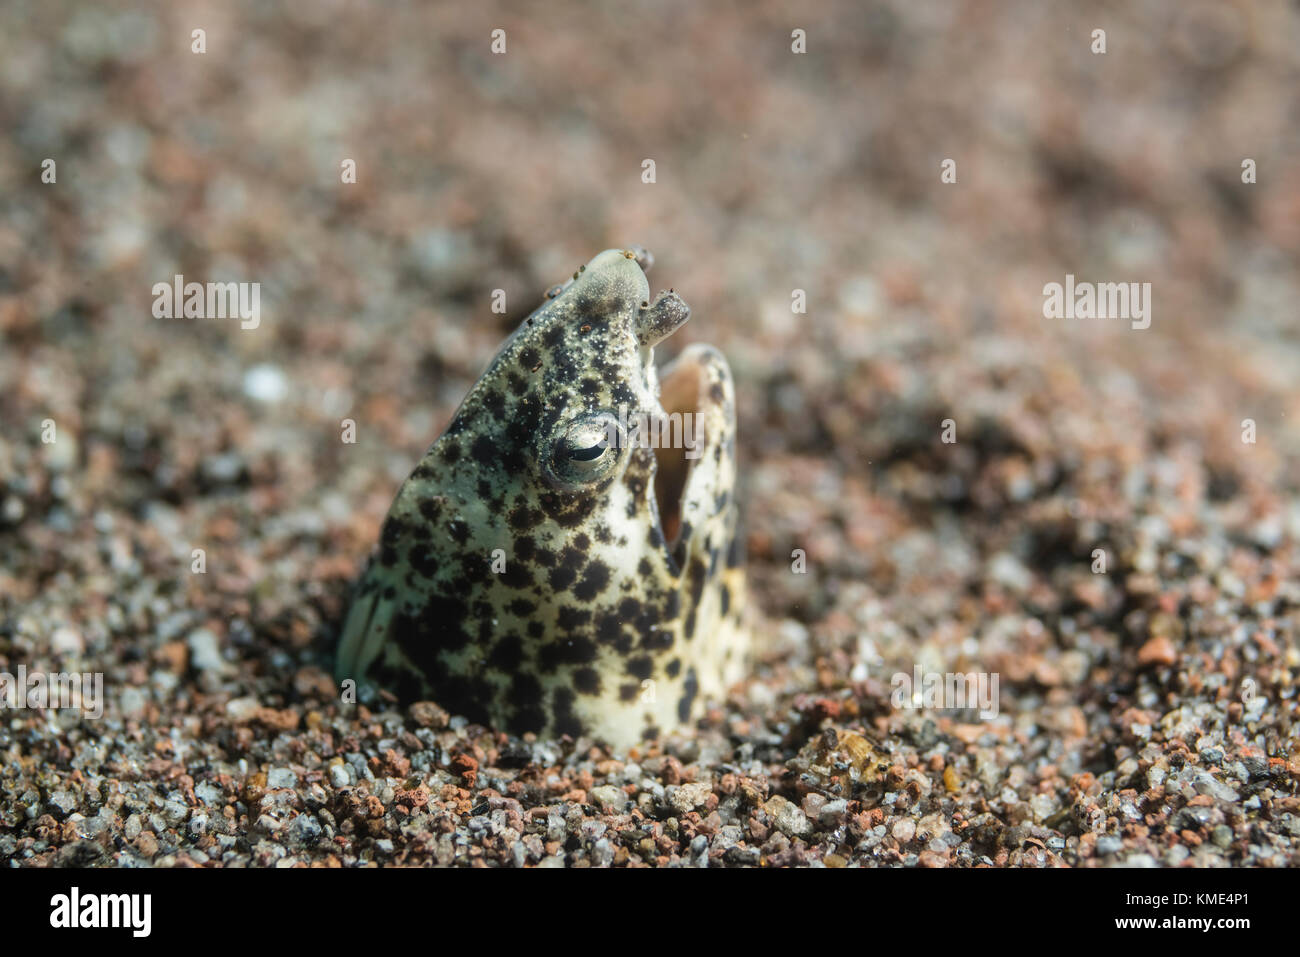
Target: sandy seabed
(1146,706)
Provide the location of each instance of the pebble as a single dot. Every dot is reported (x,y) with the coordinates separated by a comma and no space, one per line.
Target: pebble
(277,778)
(609,798)
(205,652)
(788,818)
(305,829)
(832,812)
(63,803)
(265,383)
(67,641)
(1109,844)
(683,798)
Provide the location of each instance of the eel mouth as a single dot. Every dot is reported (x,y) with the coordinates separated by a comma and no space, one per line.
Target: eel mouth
(679,445)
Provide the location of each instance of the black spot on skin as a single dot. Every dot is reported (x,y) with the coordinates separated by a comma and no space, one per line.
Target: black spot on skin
(513,460)
(655,537)
(522,518)
(608,629)
(522,607)
(671,607)
(413,637)
(683,543)
(494,402)
(656,639)
(590,387)
(393,530)
(516,575)
(650,734)
(572,557)
(568,512)
(716,393)
(566,722)
(387,556)
(697,575)
(508,655)
(517,383)
(628,692)
(536,629)
(484,450)
(436,628)
(431,509)
(735,553)
(726,599)
(405,684)
(545,557)
(569,617)
(451,452)
(646,621)
(565,368)
(623,395)
(526,695)
(474,569)
(674,668)
(581,541)
(561,578)
(421,559)
(525,720)
(643,568)
(529,358)
(690,687)
(587,681)
(525,548)
(593,581)
(553,338)
(567,651)
(459,530)
(465,421)
(525,689)
(641,668)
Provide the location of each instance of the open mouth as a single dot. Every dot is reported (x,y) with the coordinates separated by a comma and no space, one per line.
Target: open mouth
(682,393)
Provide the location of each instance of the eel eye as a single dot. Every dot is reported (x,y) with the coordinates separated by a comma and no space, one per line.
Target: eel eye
(589,455)
(586,450)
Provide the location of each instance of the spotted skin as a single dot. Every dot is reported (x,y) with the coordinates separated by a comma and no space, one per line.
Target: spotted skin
(524,575)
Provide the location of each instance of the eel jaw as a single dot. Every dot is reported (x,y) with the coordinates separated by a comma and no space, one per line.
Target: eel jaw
(682,500)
